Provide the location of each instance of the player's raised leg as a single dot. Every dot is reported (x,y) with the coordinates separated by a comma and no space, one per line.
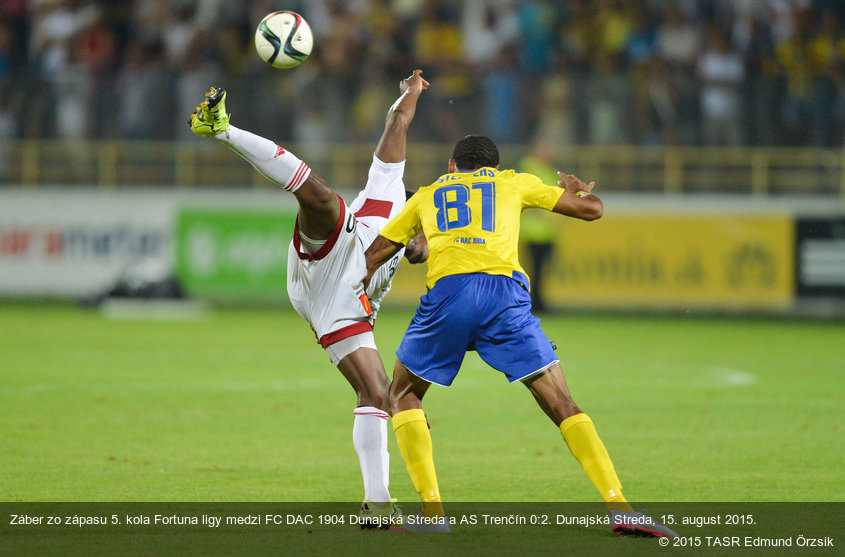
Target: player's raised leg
(320,210)
(319,206)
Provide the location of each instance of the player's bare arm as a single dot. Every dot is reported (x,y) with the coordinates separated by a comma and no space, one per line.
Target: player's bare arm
(392,145)
(379,252)
(319,205)
(578,200)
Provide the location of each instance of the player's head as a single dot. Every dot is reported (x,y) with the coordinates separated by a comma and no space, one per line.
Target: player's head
(473,152)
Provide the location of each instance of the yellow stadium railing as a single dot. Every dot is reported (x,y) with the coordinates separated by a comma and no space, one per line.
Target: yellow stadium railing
(202,164)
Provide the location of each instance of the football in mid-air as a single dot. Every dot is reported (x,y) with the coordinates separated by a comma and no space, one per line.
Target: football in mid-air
(284,39)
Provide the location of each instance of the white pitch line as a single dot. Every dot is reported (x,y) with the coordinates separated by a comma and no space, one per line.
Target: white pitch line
(666,375)
(200,386)
(732,377)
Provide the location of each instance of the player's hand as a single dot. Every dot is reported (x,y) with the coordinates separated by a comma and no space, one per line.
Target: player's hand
(574,185)
(417,249)
(414,83)
(577,199)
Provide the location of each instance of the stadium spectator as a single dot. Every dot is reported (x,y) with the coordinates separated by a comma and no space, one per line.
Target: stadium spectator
(643,69)
(8,119)
(144,80)
(537,29)
(721,74)
(486,33)
(611,94)
(557,109)
(762,85)
(808,59)
(678,44)
(613,23)
(438,46)
(500,91)
(826,53)
(649,50)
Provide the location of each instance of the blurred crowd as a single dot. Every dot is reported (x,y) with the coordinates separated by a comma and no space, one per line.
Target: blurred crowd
(644,72)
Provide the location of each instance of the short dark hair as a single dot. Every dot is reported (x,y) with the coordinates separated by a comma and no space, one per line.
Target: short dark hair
(475,151)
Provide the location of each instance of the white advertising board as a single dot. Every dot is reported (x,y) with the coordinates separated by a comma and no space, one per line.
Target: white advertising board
(72,242)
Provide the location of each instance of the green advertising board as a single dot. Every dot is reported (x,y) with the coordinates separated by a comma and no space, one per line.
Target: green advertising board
(233,253)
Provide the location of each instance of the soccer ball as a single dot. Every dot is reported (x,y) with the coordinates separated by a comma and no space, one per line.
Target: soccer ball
(284,39)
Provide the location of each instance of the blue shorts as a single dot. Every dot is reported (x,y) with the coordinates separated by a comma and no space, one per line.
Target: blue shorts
(487,313)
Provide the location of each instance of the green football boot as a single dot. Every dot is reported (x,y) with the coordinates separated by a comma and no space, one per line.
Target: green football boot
(210,117)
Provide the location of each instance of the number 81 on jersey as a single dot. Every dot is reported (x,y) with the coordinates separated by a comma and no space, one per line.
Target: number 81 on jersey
(453,210)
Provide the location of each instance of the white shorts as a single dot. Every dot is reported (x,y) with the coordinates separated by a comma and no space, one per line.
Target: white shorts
(325,287)
(342,348)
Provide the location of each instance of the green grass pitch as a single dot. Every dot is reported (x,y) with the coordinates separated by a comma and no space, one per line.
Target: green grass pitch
(245,406)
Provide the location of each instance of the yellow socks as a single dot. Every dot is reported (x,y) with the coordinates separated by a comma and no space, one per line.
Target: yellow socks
(580,435)
(414,442)
(578,431)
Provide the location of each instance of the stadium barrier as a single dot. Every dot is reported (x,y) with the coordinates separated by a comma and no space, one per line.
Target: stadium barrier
(698,253)
(200,164)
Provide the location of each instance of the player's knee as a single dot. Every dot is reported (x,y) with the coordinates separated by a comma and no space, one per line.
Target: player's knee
(316,196)
(374,393)
(393,401)
(401,397)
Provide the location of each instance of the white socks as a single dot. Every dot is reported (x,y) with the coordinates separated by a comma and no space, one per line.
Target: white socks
(369,436)
(273,162)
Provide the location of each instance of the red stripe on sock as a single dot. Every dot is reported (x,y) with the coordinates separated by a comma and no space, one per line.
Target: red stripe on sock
(291,184)
(384,415)
(298,177)
(303,168)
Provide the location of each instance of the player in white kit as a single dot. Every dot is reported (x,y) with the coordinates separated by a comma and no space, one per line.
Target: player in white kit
(324,278)
(326,265)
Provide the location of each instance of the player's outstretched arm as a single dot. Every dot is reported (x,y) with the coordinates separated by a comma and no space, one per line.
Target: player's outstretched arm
(392,145)
(379,252)
(578,200)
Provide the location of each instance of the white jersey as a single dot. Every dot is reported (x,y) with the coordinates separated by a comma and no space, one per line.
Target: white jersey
(325,287)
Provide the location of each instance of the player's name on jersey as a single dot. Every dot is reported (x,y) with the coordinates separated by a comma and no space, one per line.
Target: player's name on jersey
(489,172)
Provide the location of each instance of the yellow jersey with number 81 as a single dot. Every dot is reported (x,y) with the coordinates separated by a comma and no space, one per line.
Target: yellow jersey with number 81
(471,221)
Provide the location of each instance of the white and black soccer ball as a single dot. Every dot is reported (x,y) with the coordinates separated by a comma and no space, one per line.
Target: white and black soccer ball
(284,39)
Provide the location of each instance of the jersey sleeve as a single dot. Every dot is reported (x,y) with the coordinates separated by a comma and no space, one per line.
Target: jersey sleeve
(537,194)
(405,225)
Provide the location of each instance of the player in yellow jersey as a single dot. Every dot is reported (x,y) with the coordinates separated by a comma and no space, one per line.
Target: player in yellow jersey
(478,299)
